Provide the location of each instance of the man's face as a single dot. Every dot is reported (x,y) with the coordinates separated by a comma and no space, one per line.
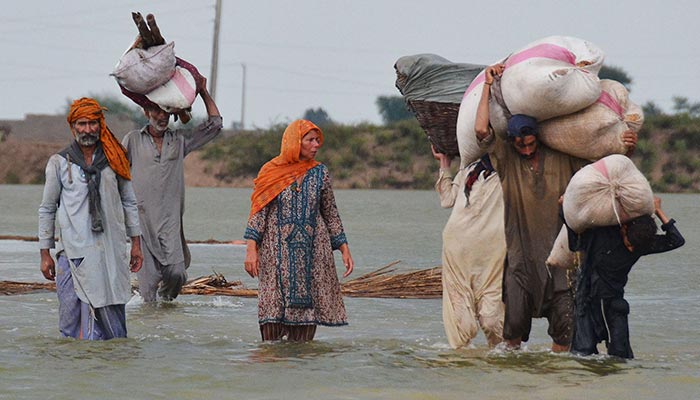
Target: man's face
(86,131)
(526,146)
(158,119)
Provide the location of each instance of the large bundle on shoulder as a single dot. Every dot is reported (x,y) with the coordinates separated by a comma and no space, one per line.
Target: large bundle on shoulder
(596,131)
(151,75)
(555,80)
(548,78)
(610,191)
(433,87)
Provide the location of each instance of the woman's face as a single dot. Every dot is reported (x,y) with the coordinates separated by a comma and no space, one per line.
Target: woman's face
(310,144)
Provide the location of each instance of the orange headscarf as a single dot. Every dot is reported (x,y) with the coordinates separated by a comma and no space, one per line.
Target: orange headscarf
(284,169)
(114,151)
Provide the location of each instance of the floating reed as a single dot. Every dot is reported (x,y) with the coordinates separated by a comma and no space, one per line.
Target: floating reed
(385,282)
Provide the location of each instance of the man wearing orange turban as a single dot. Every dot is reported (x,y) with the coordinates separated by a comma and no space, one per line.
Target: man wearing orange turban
(88,190)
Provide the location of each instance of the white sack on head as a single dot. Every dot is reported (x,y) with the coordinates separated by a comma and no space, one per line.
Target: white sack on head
(469,150)
(596,131)
(554,76)
(561,256)
(177,93)
(607,192)
(142,70)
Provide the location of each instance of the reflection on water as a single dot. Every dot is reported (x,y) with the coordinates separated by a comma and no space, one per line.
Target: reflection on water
(292,352)
(67,350)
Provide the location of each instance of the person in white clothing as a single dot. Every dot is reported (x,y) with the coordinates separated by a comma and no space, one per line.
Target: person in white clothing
(472,273)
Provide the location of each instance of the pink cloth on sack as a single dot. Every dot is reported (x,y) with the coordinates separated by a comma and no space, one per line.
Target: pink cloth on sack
(602,168)
(607,100)
(545,50)
(184,87)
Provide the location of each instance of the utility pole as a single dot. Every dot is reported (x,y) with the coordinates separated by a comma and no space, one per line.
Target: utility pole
(243,99)
(215,51)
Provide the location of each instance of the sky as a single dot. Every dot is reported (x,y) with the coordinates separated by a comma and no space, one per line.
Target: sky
(333,54)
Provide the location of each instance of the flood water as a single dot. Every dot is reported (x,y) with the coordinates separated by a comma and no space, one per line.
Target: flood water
(208,347)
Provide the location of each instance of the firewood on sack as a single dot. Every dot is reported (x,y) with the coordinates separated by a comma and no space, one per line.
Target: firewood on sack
(155,30)
(147,39)
(149,32)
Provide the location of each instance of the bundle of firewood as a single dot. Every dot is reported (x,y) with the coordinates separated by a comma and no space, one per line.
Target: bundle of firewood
(149,32)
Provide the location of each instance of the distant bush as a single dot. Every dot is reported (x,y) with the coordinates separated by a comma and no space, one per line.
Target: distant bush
(358,156)
(12,178)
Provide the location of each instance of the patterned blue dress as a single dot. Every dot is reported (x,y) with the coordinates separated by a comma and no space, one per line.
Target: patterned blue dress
(296,235)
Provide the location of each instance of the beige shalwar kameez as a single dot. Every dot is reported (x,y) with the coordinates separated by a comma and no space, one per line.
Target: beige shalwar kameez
(473,253)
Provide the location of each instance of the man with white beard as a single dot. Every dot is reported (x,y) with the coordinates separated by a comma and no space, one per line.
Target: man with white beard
(157,156)
(89,202)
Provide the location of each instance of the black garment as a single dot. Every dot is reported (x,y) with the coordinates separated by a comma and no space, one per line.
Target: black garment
(74,154)
(600,308)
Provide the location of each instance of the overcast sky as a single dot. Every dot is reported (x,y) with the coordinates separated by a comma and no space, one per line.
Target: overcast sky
(337,55)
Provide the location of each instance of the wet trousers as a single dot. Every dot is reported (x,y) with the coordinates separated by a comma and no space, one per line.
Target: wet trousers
(154,277)
(557,307)
(602,319)
(77,319)
(294,333)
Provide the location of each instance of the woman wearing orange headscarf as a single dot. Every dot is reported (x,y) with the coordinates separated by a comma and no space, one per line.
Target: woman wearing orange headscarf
(293,228)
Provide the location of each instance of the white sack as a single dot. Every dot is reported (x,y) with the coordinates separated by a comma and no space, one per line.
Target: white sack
(596,131)
(141,71)
(608,192)
(469,150)
(561,256)
(554,76)
(177,93)
(551,77)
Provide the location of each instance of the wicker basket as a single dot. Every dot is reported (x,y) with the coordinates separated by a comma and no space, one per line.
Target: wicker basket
(439,121)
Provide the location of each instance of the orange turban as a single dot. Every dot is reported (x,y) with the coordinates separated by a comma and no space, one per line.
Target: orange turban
(284,169)
(114,151)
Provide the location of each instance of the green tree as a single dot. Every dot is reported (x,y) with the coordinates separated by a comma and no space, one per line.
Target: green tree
(681,105)
(651,109)
(616,74)
(393,109)
(318,116)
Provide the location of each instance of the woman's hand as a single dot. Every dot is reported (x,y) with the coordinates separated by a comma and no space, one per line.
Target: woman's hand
(251,259)
(347,260)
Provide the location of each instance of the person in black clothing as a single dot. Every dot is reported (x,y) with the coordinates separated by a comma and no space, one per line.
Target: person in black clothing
(609,253)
